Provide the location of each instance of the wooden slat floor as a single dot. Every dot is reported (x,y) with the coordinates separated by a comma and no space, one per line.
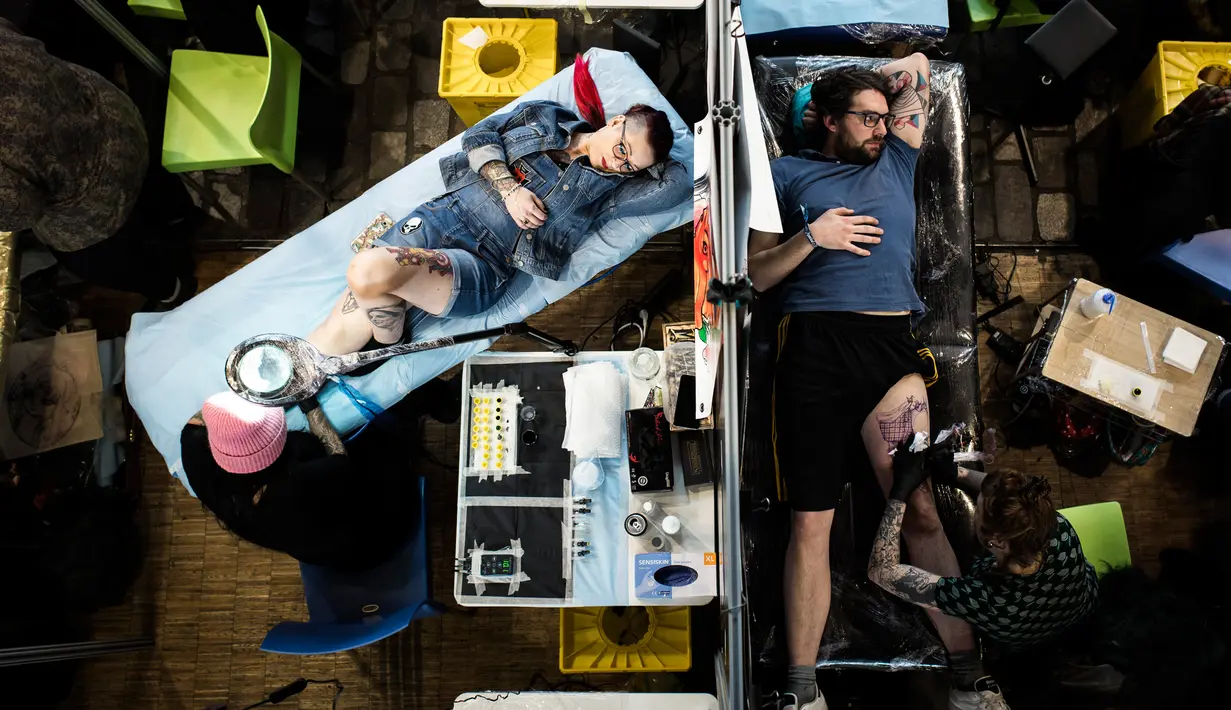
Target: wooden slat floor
(208,599)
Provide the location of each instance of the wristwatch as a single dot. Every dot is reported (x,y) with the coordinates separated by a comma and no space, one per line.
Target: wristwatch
(307,405)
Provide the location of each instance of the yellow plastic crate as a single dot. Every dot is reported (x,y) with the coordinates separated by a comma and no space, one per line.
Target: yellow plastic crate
(487,62)
(1170,77)
(634,639)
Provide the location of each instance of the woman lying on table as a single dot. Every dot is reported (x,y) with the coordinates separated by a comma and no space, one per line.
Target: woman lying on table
(528,187)
(1032,586)
(307,494)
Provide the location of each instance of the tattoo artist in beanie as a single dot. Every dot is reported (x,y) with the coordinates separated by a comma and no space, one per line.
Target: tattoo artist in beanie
(306,494)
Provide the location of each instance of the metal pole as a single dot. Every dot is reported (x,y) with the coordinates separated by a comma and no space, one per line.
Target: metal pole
(124,37)
(732,550)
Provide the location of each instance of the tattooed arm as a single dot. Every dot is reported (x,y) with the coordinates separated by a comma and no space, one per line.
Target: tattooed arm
(910,83)
(524,207)
(323,430)
(886,569)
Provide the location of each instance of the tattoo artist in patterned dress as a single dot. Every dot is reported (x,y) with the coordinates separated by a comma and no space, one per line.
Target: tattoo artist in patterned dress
(529,186)
(850,377)
(1033,585)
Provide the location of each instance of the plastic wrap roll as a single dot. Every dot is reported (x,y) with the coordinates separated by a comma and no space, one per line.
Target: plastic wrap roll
(867,627)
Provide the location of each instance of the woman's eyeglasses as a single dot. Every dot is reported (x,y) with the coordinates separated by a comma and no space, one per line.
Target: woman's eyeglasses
(621,151)
(871,118)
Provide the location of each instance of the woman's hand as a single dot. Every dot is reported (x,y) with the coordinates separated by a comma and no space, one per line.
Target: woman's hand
(810,116)
(525,208)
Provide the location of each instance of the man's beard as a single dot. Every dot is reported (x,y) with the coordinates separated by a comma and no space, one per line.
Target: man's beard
(864,153)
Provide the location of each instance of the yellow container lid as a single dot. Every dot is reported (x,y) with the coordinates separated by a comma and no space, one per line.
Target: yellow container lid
(494,57)
(1181,63)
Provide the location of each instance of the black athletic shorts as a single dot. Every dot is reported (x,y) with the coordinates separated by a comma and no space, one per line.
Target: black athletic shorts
(833,368)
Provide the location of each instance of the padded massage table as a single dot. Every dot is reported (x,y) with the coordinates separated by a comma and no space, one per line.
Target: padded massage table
(868,628)
(174,360)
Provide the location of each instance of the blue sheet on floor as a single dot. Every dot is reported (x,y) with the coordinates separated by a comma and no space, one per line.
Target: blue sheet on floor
(174,360)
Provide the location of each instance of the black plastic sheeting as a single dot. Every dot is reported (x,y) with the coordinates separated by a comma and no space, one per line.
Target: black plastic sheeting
(868,628)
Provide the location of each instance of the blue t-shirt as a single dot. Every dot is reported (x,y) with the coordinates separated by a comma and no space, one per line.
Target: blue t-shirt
(837,280)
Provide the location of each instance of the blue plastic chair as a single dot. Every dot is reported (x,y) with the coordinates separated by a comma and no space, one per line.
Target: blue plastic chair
(348,610)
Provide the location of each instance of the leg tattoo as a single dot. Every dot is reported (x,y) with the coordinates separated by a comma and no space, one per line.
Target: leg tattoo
(436,262)
(388,317)
(898,424)
(349,304)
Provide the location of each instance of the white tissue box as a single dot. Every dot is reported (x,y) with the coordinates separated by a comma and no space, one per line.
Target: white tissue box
(1183,350)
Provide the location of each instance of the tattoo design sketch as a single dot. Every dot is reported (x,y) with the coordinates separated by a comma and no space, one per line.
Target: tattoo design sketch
(388,317)
(43,403)
(899,423)
(908,104)
(886,569)
(349,303)
(437,262)
(52,395)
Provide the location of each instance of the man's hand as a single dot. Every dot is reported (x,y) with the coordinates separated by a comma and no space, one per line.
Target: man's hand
(525,207)
(841,228)
(810,117)
(909,471)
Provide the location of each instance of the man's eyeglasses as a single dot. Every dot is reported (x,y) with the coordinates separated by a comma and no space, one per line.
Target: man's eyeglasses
(871,118)
(621,151)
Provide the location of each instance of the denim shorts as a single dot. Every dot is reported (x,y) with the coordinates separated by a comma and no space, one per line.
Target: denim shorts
(479,276)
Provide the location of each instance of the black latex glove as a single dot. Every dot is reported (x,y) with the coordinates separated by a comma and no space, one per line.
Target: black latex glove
(909,471)
(940,464)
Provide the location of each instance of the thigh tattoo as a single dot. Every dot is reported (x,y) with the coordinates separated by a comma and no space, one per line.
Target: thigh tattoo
(898,424)
(437,262)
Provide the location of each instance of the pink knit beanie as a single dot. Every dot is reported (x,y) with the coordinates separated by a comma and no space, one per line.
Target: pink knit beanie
(244,437)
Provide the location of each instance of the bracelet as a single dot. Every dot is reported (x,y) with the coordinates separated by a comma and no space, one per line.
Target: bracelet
(807,229)
(308,405)
(505,195)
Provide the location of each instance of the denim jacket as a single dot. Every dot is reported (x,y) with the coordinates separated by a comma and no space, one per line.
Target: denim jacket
(579,199)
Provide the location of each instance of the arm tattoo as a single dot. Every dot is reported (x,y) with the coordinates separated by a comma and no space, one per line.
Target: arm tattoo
(323,430)
(898,424)
(349,303)
(909,104)
(499,175)
(388,317)
(886,569)
(437,262)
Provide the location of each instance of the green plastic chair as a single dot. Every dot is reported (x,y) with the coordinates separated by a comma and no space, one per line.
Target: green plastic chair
(231,110)
(166,9)
(1104,539)
(1020,14)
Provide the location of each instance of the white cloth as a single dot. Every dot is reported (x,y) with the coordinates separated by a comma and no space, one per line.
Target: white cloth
(594,410)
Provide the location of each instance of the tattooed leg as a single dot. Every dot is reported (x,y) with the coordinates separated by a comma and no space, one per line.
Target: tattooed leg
(346,329)
(904,409)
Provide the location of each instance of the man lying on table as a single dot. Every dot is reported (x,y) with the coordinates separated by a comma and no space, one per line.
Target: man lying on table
(849,369)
